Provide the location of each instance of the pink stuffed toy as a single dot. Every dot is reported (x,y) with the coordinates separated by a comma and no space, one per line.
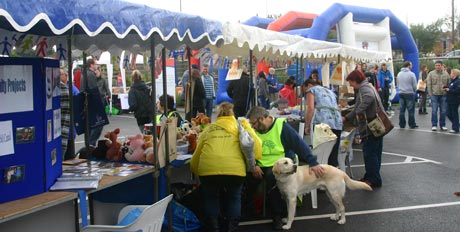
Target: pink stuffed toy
(135,149)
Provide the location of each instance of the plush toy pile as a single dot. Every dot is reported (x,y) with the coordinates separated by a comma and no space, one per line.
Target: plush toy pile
(189,131)
(139,148)
(109,148)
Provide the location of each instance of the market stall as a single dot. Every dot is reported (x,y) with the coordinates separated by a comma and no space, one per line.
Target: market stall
(58,27)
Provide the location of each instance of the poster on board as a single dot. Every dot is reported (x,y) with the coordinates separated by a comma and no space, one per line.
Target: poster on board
(16,88)
(6,138)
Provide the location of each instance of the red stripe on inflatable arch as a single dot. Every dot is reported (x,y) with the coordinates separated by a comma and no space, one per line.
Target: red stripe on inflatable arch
(292,20)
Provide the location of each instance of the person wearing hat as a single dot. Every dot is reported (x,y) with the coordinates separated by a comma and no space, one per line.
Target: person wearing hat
(436,82)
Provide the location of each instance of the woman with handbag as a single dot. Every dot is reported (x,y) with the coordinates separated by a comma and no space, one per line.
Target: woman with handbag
(220,163)
(366,106)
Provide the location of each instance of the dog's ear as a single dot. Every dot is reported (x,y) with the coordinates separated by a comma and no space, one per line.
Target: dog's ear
(276,169)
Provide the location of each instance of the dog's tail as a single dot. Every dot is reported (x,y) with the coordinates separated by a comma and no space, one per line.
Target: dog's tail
(353,184)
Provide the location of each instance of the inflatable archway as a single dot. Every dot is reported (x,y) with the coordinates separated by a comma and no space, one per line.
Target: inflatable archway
(328,19)
(258,22)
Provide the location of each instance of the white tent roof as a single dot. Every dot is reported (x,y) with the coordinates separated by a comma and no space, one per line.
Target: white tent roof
(239,39)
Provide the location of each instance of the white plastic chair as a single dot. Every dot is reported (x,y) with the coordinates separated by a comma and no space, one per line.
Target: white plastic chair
(322,153)
(150,220)
(346,151)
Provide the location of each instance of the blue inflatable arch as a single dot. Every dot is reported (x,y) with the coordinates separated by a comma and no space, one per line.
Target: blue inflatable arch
(325,21)
(259,22)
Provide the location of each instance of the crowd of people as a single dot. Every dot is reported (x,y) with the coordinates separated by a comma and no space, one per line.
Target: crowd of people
(218,160)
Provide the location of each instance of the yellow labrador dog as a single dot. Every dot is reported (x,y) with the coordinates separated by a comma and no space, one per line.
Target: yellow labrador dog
(293,181)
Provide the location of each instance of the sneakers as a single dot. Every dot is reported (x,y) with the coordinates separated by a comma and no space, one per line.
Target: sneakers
(453,132)
(414,127)
(444,128)
(434,128)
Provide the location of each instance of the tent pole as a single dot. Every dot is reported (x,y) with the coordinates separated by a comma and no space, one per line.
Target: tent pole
(165,93)
(302,74)
(166,135)
(154,123)
(85,109)
(253,78)
(69,74)
(188,89)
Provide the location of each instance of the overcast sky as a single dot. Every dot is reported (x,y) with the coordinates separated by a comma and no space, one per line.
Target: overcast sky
(409,12)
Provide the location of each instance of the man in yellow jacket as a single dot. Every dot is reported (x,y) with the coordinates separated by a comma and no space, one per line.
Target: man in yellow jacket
(220,164)
(279,140)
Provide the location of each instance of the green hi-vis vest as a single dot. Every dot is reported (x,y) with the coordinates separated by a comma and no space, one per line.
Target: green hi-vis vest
(169,116)
(272,148)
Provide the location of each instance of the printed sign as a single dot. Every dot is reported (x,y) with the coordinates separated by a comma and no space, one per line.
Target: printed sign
(16,88)
(6,138)
(57,123)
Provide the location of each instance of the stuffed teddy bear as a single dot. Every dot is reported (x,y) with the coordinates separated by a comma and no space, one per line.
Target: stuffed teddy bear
(135,148)
(186,127)
(191,139)
(149,152)
(114,146)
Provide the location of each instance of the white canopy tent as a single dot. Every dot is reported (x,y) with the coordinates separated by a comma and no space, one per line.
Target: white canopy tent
(239,39)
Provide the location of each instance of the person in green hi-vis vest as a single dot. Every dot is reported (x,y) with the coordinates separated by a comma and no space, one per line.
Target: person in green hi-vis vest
(171,109)
(279,140)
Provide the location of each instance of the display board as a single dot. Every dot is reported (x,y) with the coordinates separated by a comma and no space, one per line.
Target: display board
(30,126)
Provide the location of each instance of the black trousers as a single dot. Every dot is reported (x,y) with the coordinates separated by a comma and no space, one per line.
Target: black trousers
(276,204)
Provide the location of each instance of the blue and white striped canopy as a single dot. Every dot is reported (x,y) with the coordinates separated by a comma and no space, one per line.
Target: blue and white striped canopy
(106,24)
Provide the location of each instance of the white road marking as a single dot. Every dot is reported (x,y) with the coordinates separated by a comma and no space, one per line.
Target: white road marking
(430,131)
(374,211)
(408,157)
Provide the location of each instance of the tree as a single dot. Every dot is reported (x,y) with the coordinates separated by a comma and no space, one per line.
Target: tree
(427,37)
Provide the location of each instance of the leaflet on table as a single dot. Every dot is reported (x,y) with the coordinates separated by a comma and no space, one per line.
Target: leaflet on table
(75,184)
(79,177)
(104,168)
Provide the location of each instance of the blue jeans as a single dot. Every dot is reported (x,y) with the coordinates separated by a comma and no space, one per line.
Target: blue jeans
(208,104)
(372,151)
(94,135)
(212,187)
(406,101)
(438,101)
(452,114)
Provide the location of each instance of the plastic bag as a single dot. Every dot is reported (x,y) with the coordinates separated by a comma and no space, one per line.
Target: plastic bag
(322,133)
(183,219)
(247,147)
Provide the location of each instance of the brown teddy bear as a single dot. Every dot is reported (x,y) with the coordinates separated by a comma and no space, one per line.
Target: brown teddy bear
(191,139)
(114,146)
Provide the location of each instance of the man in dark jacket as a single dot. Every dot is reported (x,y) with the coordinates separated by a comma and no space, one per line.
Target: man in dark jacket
(198,95)
(238,90)
(86,84)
